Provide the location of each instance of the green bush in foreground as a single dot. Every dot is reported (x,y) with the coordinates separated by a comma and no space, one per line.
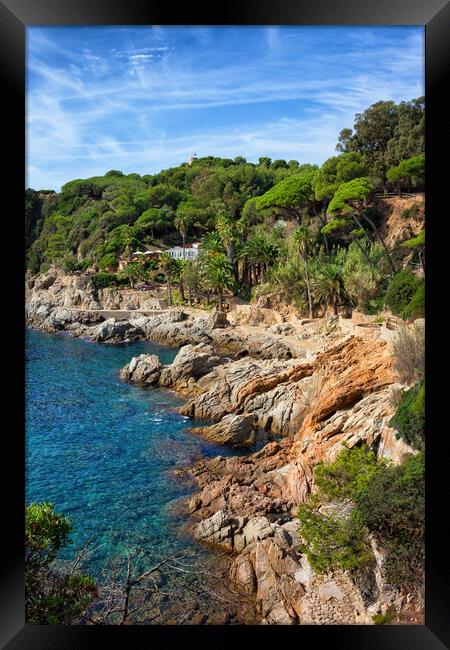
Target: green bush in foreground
(51,597)
(358,495)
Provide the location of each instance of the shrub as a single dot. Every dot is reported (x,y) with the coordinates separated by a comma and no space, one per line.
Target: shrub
(51,597)
(414,211)
(416,306)
(400,291)
(409,418)
(69,262)
(348,475)
(393,508)
(84,264)
(102,280)
(331,541)
(109,260)
(409,353)
(45,533)
(372,496)
(383,619)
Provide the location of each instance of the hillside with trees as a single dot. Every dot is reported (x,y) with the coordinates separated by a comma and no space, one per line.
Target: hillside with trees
(312,234)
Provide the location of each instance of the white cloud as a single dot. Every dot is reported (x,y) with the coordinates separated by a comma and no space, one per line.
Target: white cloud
(88,112)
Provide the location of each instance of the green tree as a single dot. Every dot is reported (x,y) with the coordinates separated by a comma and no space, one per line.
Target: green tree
(409,173)
(218,274)
(357,495)
(302,238)
(392,507)
(185,216)
(108,262)
(417,242)
(166,265)
(328,287)
(133,272)
(176,275)
(362,271)
(400,292)
(191,278)
(260,254)
(51,596)
(150,220)
(292,194)
(226,228)
(350,200)
(279,164)
(384,134)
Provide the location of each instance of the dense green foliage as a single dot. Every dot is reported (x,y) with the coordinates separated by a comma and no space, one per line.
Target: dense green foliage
(393,509)
(332,541)
(409,418)
(51,596)
(102,280)
(385,134)
(310,233)
(349,475)
(359,495)
(409,173)
(405,295)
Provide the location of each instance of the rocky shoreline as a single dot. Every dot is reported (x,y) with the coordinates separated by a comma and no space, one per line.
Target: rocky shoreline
(303,387)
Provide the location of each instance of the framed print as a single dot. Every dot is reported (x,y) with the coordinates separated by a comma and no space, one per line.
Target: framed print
(218,404)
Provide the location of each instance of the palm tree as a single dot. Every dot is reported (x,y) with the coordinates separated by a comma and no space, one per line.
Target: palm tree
(191,278)
(133,272)
(226,228)
(260,253)
(218,275)
(211,244)
(176,275)
(165,264)
(302,238)
(328,287)
(182,223)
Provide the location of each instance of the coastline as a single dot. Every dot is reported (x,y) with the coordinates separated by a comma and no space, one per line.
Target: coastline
(313,386)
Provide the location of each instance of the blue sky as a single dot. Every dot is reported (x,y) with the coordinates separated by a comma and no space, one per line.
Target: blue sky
(141,99)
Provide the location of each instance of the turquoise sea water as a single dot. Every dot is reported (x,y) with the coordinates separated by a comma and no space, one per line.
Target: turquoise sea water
(102,450)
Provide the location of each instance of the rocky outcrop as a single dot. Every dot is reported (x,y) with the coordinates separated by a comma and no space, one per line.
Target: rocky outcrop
(55,301)
(311,386)
(112,330)
(144,369)
(247,505)
(233,430)
(191,364)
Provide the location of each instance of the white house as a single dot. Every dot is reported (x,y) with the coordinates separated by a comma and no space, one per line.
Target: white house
(187,253)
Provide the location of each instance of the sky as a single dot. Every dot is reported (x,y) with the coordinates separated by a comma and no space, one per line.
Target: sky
(144,98)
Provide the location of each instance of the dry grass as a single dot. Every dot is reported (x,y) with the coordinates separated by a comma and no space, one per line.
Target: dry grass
(409,353)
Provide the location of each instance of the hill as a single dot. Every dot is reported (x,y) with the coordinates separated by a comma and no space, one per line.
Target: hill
(321,236)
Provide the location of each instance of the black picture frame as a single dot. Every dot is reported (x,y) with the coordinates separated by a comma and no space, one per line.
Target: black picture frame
(15,16)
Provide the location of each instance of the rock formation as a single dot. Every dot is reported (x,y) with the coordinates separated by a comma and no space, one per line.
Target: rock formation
(303,387)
